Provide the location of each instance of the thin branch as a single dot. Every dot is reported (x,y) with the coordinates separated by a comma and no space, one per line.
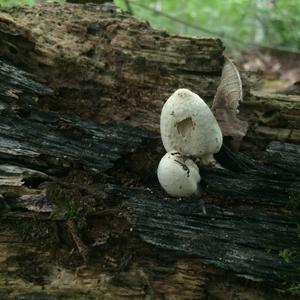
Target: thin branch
(82,248)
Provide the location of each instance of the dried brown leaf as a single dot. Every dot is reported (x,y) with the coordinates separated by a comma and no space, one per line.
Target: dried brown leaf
(226,102)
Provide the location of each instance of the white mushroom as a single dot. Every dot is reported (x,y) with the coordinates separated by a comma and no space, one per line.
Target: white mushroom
(178,176)
(188,125)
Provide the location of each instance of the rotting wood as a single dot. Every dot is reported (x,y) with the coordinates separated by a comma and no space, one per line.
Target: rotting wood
(241,240)
(105,64)
(47,157)
(33,180)
(271,117)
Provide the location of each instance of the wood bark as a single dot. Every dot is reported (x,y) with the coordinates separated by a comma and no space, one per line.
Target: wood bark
(271,117)
(106,65)
(82,214)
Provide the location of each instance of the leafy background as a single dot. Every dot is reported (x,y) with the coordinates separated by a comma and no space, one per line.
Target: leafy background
(241,23)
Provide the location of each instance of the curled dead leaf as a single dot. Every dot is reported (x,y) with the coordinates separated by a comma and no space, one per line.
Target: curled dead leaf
(226,102)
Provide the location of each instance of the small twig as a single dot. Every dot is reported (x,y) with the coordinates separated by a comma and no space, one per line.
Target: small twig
(125,261)
(147,282)
(82,248)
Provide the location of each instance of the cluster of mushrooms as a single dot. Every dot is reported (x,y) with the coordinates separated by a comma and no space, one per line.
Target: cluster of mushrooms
(190,134)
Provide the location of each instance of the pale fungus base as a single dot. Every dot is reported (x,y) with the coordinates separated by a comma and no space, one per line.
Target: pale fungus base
(179,176)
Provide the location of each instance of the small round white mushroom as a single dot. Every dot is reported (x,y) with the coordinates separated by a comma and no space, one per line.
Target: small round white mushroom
(188,125)
(179,176)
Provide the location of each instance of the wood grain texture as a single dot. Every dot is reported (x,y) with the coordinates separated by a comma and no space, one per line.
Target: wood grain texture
(76,147)
(105,64)
(271,117)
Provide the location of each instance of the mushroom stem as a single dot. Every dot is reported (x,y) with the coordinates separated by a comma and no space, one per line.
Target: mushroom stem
(202,203)
(207,159)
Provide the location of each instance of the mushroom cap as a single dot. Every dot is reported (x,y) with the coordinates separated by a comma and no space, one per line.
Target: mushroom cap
(188,125)
(177,175)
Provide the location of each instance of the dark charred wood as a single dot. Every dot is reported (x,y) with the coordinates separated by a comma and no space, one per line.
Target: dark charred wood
(285,156)
(245,241)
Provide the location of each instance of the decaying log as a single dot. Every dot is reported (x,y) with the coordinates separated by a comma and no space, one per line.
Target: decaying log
(68,183)
(240,240)
(96,163)
(106,65)
(271,117)
(284,156)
